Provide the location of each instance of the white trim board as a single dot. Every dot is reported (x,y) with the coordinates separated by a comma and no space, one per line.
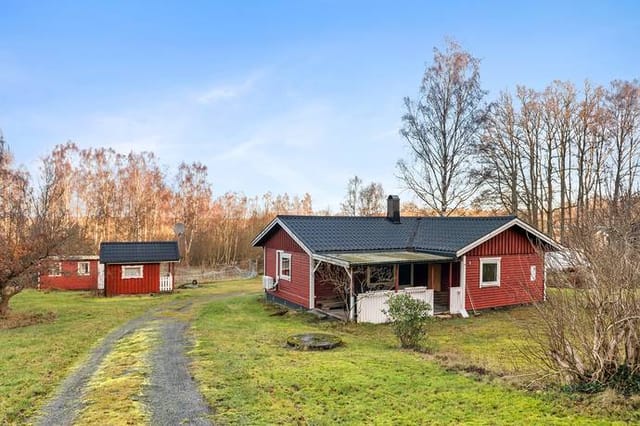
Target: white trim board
(275,222)
(528,228)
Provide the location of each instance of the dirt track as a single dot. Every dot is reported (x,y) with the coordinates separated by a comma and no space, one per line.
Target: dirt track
(171,396)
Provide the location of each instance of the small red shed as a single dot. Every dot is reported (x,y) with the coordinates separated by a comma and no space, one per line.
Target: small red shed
(455,264)
(138,267)
(70,273)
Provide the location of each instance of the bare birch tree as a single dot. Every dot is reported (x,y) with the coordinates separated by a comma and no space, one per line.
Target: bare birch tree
(349,206)
(441,127)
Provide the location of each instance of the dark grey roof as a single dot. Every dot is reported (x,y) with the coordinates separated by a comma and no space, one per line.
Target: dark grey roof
(139,252)
(442,235)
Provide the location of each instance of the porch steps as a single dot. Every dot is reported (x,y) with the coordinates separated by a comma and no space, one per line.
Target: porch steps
(440,302)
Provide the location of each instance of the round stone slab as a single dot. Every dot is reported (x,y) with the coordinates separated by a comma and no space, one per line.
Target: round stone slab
(314,341)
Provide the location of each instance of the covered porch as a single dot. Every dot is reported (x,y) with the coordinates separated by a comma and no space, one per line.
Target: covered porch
(356,286)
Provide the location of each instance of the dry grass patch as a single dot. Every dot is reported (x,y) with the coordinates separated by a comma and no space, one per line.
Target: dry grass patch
(25,319)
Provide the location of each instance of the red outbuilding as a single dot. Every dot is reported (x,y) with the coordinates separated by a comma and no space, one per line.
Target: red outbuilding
(456,264)
(70,273)
(138,267)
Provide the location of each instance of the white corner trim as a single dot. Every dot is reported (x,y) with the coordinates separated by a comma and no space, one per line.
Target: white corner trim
(312,284)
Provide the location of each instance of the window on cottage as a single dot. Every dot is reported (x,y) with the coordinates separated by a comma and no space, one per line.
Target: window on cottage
(83,268)
(129,271)
(55,269)
(490,272)
(285,266)
(380,277)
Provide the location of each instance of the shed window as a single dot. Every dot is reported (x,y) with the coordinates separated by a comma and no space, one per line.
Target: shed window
(132,271)
(55,269)
(490,272)
(285,266)
(83,268)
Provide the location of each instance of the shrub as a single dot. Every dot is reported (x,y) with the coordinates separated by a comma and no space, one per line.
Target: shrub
(588,334)
(409,318)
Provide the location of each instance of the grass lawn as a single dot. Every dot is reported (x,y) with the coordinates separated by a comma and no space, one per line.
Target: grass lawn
(249,377)
(35,359)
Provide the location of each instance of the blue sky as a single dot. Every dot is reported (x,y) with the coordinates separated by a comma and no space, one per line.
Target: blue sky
(277,96)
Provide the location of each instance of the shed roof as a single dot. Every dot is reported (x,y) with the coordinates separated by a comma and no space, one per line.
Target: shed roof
(446,236)
(139,252)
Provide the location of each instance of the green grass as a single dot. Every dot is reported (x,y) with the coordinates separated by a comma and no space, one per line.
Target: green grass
(493,341)
(249,376)
(35,359)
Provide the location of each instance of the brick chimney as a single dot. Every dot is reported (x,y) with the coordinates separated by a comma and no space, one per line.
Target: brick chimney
(393,208)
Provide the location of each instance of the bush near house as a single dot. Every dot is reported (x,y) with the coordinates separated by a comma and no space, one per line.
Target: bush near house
(409,318)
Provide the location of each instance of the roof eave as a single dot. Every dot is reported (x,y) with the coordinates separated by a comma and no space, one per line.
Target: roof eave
(278,221)
(515,221)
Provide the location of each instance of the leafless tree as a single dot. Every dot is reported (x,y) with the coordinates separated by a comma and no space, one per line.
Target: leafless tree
(624,104)
(441,128)
(589,335)
(371,200)
(349,206)
(499,155)
(33,225)
(191,202)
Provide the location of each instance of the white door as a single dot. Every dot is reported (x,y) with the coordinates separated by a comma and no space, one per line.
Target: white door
(100,276)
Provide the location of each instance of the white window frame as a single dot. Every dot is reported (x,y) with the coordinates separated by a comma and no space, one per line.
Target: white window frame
(58,269)
(283,256)
(490,260)
(139,275)
(80,273)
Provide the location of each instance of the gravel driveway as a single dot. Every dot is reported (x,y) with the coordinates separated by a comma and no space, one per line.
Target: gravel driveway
(171,396)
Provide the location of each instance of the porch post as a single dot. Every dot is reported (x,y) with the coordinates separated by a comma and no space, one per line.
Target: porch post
(396,279)
(450,273)
(352,310)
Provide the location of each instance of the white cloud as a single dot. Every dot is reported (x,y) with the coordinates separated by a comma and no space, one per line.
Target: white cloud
(222,92)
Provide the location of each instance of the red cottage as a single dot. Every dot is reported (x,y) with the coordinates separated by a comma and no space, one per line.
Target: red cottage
(456,264)
(70,273)
(138,267)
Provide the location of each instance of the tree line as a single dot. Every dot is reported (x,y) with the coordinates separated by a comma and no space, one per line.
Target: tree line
(106,195)
(551,156)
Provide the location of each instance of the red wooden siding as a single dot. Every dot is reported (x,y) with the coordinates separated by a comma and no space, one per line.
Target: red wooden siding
(324,290)
(517,254)
(149,283)
(297,289)
(69,279)
(510,241)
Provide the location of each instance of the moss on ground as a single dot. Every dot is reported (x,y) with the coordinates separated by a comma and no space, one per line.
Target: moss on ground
(115,391)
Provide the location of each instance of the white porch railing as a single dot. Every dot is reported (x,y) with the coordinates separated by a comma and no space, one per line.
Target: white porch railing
(371,305)
(166,283)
